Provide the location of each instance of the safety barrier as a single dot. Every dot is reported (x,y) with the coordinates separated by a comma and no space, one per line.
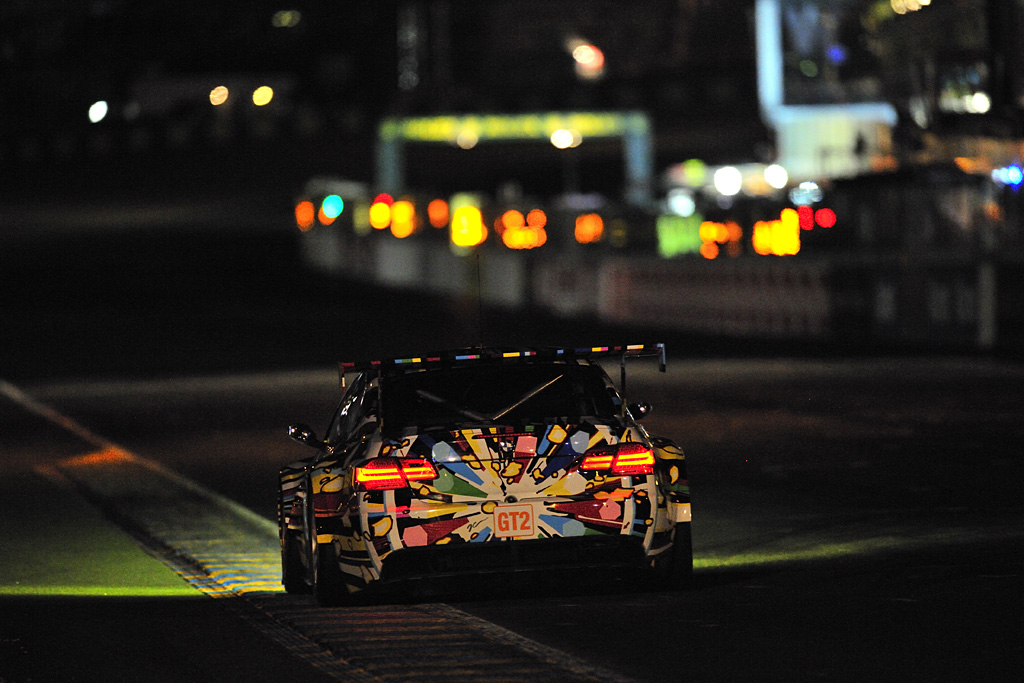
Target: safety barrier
(769,297)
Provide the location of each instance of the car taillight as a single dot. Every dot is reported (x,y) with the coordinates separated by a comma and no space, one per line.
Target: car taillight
(393,473)
(623,458)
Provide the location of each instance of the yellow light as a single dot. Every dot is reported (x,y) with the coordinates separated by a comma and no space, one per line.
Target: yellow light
(380,215)
(709,231)
(786,235)
(762,239)
(468,228)
(262,95)
(403,218)
(779,237)
(218,95)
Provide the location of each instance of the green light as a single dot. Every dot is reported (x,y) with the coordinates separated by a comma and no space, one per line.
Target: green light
(530,126)
(678,234)
(332,206)
(71,549)
(115,591)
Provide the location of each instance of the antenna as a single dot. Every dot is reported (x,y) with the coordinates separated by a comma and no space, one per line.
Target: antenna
(479,301)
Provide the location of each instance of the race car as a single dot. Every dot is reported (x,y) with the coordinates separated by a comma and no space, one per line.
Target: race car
(483,461)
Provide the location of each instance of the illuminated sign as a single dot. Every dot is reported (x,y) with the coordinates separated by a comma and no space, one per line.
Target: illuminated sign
(539,126)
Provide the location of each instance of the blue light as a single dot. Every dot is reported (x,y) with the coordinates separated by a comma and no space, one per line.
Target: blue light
(1009,175)
(837,54)
(332,206)
(1014,175)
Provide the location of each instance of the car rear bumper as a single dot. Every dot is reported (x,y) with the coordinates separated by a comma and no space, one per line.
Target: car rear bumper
(537,555)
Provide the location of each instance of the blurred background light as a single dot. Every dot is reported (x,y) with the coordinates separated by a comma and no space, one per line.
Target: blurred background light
(403,218)
(262,95)
(825,217)
(1011,175)
(680,202)
(286,19)
(728,181)
(589,228)
(468,227)
(219,95)
(776,176)
(979,103)
(564,138)
(467,138)
(437,213)
(98,111)
(333,205)
(806,192)
(588,57)
(304,215)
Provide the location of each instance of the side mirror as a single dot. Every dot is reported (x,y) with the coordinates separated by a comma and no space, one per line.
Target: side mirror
(304,435)
(639,410)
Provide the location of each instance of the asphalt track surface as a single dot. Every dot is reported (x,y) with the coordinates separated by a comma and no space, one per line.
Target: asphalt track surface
(855,518)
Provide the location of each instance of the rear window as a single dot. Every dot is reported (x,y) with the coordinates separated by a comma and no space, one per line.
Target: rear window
(501,394)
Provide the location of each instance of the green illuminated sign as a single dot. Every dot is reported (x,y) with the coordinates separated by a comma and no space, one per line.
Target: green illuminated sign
(678,235)
(512,126)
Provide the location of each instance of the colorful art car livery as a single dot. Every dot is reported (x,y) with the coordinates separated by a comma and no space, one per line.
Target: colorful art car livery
(480,465)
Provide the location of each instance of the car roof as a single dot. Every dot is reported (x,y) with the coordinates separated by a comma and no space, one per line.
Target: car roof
(494,354)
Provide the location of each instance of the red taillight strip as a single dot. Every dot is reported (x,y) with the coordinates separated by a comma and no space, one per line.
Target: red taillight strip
(418,469)
(623,458)
(393,473)
(598,462)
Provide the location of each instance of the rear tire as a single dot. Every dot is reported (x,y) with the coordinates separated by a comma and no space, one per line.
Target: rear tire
(675,570)
(293,572)
(329,587)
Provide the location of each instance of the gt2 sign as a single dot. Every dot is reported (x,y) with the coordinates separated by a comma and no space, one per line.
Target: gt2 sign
(513,521)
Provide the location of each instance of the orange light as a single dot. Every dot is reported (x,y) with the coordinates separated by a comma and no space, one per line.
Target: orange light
(512,219)
(104,457)
(598,462)
(437,213)
(589,228)
(324,219)
(709,250)
(305,214)
(519,232)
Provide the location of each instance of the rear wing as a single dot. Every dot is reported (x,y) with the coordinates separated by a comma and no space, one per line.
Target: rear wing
(473,356)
